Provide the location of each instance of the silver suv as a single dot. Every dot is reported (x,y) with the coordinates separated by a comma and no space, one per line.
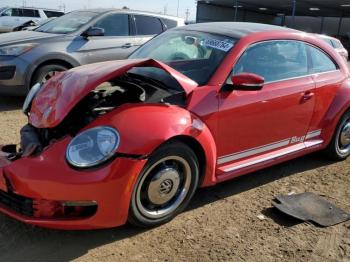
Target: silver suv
(12,17)
(77,38)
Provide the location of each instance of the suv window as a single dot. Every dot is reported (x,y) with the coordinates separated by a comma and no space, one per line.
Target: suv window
(30,13)
(114,25)
(169,23)
(50,14)
(147,25)
(12,12)
(320,61)
(274,60)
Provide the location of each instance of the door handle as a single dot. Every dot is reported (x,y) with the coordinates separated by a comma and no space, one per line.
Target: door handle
(308,95)
(127,45)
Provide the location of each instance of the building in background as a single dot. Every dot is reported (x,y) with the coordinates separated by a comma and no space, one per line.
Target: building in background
(330,17)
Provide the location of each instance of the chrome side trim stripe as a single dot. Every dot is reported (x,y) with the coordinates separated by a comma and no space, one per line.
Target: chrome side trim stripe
(266,148)
(313,134)
(273,156)
(254,151)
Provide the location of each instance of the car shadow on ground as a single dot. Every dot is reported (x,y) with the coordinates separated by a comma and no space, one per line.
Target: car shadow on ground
(18,240)
(8,103)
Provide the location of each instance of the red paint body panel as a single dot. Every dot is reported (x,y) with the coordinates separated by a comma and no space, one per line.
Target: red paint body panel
(110,186)
(58,97)
(223,123)
(256,113)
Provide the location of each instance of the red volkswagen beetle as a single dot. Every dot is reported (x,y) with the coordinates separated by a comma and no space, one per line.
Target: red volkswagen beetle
(132,140)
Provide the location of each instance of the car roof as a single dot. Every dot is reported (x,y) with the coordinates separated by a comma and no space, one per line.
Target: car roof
(32,8)
(235,30)
(128,11)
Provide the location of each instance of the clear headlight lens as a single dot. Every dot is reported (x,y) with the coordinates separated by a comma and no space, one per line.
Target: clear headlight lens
(16,50)
(93,147)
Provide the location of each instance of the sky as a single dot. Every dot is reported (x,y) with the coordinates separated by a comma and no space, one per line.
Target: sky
(170,6)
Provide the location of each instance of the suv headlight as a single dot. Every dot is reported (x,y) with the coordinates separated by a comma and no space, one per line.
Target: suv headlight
(16,50)
(93,147)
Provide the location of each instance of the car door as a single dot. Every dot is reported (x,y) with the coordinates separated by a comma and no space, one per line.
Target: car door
(11,18)
(117,43)
(252,123)
(146,27)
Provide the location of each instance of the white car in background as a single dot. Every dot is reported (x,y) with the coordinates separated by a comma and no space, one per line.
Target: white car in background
(12,17)
(337,45)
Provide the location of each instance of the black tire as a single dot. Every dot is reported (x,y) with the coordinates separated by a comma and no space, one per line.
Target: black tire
(44,71)
(153,172)
(335,151)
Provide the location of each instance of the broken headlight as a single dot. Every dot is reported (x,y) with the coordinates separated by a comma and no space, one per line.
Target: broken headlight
(93,147)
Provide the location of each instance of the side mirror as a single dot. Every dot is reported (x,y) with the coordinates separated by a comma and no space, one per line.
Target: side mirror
(94,31)
(247,82)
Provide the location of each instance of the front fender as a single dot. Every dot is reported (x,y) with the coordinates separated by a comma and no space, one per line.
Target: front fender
(144,127)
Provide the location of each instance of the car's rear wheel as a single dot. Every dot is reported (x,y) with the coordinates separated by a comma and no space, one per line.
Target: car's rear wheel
(44,73)
(339,148)
(165,186)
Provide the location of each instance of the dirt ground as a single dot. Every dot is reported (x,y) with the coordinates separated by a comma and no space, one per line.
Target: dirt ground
(221,224)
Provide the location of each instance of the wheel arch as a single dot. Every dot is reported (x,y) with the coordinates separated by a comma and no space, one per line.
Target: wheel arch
(339,107)
(198,150)
(60,60)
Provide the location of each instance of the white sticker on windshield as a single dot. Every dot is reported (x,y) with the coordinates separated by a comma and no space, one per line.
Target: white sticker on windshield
(217,44)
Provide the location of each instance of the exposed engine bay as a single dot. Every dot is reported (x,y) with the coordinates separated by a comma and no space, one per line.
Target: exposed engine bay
(126,89)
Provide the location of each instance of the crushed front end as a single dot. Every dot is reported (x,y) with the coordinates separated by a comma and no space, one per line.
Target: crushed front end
(72,170)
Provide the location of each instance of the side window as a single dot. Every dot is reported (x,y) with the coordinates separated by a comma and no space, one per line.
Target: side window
(274,60)
(148,25)
(169,23)
(114,25)
(30,13)
(50,14)
(320,61)
(8,12)
(16,12)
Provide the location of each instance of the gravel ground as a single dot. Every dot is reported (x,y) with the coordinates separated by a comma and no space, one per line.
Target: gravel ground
(221,224)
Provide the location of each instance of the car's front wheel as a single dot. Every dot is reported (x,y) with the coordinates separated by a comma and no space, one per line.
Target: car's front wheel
(339,148)
(165,186)
(46,72)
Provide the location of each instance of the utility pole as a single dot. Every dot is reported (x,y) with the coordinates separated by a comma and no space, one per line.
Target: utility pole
(178,6)
(293,12)
(187,14)
(165,9)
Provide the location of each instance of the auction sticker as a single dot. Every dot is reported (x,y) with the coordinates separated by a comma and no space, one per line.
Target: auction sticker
(217,44)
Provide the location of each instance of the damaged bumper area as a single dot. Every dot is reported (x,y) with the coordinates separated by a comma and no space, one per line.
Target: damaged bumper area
(44,190)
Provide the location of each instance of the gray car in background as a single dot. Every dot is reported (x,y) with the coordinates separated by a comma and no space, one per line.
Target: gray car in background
(77,38)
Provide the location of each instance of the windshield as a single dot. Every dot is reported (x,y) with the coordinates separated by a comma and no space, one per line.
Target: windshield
(68,23)
(195,54)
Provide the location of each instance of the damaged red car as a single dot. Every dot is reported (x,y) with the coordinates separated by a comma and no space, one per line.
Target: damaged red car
(132,140)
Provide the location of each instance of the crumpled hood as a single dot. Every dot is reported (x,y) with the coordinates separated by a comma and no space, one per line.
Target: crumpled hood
(23,36)
(64,91)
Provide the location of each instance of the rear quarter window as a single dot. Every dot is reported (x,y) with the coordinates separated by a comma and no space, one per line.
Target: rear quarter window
(148,25)
(320,61)
(50,14)
(169,23)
